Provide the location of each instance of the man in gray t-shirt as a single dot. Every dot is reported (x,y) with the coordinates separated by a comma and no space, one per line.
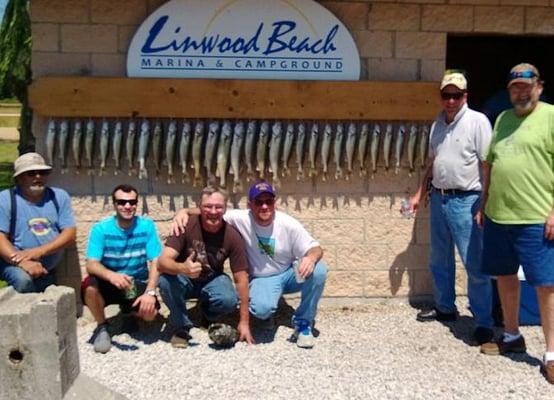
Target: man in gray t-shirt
(458,144)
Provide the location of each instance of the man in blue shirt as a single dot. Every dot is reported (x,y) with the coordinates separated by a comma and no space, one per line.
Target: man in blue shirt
(36,223)
(118,253)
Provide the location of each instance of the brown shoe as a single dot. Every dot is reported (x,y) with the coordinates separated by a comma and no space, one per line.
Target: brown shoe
(180,339)
(548,371)
(502,347)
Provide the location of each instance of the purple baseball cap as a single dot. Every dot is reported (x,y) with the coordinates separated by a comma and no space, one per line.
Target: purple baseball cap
(259,188)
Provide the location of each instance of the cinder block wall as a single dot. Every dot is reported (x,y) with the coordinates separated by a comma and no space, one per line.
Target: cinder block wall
(370,250)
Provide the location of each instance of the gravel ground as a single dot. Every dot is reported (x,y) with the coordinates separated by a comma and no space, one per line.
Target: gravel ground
(371,351)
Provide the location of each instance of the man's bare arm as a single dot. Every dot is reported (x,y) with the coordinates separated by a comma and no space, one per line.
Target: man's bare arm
(181,219)
(241,284)
(415,200)
(121,281)
(308,262)
(65,238)
(168,265)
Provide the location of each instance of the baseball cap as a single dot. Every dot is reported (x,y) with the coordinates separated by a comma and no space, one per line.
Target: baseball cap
(29,162)
(454,78)
(259,188)
(524,73)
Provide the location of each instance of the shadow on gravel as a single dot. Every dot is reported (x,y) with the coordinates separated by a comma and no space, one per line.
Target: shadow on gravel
(462,329)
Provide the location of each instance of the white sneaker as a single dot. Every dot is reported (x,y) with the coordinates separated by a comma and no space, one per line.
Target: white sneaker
(304,337)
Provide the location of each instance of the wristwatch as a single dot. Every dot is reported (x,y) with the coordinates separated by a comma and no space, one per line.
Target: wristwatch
(151,292)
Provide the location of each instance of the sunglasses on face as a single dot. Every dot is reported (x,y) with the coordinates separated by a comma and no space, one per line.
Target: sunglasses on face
(455,96)
(522,74)
(41,172)
(121,202)
(261,202)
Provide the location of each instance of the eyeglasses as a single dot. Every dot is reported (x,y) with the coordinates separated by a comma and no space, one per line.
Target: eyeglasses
(522,74)
(260,202)
(122,202)
(41,172)
(455,96)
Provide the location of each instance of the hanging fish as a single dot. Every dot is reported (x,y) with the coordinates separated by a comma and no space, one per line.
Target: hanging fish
(117,138)
(157,138)
(184,150)
(76,143)
(89,145)
(143,148)
(375,139)
(197,142)
(261,150)
(339,140)
(170,148)
(387,143)
(223,153)
(274,149)
(211,147)
(423,145)
(362,148)
(130,145)
(249,149)
(412,140)
(326,148)
(104,144)
(314,139)
(287,148)
(350,147)
(400,134)
(62,145)
(300,144)
(236,149)
(50,141)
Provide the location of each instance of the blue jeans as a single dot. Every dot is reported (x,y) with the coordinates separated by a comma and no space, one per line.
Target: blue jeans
(22,282)
(453,224)
(217,297)
(265,292)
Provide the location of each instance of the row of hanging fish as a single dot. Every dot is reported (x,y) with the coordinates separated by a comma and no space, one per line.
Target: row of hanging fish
(265,149)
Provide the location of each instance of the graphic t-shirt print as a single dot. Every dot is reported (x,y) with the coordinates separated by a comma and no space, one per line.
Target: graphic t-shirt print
(40,226)
(267,246)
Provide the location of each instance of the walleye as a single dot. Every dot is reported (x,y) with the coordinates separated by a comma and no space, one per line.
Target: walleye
(130,145)
(76,143)
(143,148)
(375,139)
(197,142)
(249,149)
(170,148)
(387,142)
(223,153)
(236,148)
(184,150)
(287,148)
(300,142)
(339,139)
(211,147)
(261,151)
(326,148)
(400,134)
(274,148)
(350,146)
(51,141)
(104,144)
(117,138)
(412,140)
(362,148)
(314,138)
(423,145)
(157,136)
(62,145)
(89,145)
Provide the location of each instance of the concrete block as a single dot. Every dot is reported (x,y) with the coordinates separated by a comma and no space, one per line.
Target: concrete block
(447,18)
(505,20)
(153,5)
(352,15)
(394,17)
(119,13)
(52,64)
(374,43)
(392,69)
(46,37)
(125,34)
(337,231)
(432,70)
(525,2)
(38,343)
(344,284)
(109,64)
(359,256)
(474,2)
(539,20)
(72,11)
(84,38)
(86,388)
(426,45)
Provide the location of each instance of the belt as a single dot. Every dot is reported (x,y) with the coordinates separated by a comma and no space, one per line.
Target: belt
(454,192)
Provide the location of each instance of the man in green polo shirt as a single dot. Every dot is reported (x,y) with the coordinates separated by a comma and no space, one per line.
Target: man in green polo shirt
(518,201)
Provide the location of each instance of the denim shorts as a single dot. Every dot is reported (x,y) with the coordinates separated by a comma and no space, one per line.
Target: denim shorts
(507,246)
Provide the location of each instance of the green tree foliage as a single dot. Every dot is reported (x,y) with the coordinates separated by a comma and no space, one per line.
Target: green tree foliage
(15,63)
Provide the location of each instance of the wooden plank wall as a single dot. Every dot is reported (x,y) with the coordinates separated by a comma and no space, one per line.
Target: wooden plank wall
(234,99)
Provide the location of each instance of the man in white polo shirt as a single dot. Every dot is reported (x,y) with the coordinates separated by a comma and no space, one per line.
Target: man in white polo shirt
(458,145)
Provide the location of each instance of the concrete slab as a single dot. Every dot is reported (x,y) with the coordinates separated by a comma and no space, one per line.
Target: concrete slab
(9,134)
(86,388)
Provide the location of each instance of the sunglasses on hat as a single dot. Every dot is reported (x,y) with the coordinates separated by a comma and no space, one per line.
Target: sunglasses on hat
(522,74)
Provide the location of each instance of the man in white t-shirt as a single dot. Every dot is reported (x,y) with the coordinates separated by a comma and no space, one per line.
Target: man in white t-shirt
(274,243)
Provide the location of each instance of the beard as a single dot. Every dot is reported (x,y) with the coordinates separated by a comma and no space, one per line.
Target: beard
(36,189)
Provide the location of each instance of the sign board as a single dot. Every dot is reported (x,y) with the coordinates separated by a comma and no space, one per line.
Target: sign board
(243,39)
